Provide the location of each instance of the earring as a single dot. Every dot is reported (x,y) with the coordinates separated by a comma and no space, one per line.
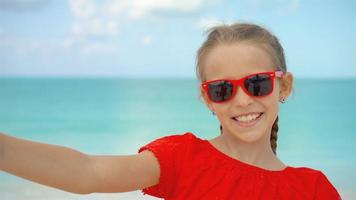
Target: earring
(213,113)
(282,100)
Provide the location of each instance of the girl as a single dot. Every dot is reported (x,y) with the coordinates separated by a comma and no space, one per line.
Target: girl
(244,77)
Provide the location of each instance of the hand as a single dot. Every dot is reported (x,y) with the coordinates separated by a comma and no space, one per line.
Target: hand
(2,149)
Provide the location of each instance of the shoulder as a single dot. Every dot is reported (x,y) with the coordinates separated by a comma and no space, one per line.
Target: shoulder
(179,137)
(182,136)
(306,174)
(171,149)
(306,171)
(324,189)
(170,153)
(170,141)
(316,181)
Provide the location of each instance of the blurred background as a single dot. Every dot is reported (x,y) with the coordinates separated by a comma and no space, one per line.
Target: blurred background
(107,77)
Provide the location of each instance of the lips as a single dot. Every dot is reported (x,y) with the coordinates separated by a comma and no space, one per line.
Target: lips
(248,118)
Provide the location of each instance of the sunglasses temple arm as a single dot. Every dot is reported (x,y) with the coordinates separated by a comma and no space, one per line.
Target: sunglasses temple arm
(279,73)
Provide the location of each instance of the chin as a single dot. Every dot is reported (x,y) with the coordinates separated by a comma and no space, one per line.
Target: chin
(250,135)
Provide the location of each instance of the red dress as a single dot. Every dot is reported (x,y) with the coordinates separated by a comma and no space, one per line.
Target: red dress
(192,169)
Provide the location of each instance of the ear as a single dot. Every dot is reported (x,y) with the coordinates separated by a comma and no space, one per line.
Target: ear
(206,100)
(286,85)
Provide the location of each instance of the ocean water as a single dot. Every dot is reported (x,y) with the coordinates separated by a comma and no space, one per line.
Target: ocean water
(117,116)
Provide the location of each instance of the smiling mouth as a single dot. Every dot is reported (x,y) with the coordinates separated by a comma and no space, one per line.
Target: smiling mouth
(248,118)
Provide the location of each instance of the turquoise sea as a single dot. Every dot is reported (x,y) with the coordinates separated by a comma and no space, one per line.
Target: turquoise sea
(117,116)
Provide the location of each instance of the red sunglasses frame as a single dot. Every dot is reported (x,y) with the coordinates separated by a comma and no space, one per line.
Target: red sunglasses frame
(240,82)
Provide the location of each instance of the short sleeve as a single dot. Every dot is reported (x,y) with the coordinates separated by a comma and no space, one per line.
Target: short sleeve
(325,190)
(168,150)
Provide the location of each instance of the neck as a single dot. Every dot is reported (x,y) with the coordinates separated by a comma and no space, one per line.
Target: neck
(257,153)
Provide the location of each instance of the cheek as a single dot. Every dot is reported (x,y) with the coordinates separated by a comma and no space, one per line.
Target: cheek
(273,102)
(277,88)
(220,108)
(276,92)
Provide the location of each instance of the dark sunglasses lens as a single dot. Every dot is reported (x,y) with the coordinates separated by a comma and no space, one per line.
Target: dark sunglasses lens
(220,91)
(259,84)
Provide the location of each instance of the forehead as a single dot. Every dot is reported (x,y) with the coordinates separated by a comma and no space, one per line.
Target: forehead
(237,60)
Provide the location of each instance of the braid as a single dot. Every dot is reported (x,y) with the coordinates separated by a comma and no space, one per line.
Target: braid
(274,136)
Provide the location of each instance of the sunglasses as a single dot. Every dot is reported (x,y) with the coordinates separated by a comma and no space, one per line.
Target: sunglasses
(254,85)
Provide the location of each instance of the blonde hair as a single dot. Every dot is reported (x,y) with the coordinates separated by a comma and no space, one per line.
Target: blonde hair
(243,32)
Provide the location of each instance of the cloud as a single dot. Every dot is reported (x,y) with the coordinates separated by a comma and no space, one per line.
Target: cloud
(295,5)
(98,48)
(95,24)
(90,19)
(146,8)
(281,7)
(30,47)
(83,8)
(22,5)
(288,7)
(147,40)
(105,18)
(138,9)
(27,47)
(254,6)
(209,22)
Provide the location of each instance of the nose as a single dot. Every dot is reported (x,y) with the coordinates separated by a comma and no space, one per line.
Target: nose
(241,99)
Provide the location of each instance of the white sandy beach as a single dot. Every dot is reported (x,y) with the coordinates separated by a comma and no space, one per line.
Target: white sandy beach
(32,191)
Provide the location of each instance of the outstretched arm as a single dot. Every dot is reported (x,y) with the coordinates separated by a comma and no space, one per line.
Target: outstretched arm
(76,172)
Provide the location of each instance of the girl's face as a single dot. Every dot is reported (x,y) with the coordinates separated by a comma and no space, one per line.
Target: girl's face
(235,61)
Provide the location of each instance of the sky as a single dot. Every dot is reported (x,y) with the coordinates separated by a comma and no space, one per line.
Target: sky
(159,38)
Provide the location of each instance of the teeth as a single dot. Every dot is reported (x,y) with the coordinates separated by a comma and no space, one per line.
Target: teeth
(247,118)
